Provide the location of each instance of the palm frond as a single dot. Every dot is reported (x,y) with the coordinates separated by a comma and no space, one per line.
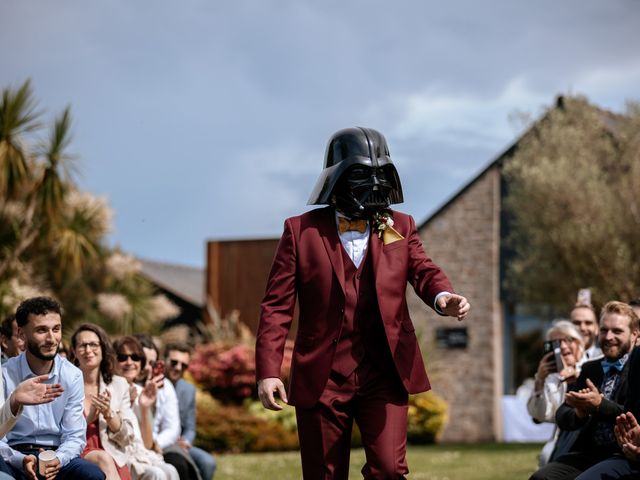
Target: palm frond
(18,116)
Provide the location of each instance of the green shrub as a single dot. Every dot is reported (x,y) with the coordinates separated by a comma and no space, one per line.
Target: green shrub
(427,417)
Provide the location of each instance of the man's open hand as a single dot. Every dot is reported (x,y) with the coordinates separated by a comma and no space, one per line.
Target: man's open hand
(267,387)
(454,305)
(627,433)
(585,401)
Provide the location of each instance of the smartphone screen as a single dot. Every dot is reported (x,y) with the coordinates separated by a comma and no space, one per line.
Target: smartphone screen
(554,346)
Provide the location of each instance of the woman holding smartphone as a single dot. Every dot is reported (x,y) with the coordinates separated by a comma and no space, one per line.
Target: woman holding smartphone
(144,462)
(551,379)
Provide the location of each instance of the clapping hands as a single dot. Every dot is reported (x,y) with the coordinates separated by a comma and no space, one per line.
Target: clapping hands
(584,401)
(627,433)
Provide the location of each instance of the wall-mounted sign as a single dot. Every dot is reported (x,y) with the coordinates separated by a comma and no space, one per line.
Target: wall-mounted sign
(452,337)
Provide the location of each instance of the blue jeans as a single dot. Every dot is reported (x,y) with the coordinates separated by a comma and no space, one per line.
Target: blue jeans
(204,461)
(75,469)
(614,468)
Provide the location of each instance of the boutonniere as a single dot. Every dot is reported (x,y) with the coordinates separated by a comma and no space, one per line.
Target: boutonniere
(383,225)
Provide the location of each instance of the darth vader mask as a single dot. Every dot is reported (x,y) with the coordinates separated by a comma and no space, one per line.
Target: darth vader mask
(358,177)
(363,190)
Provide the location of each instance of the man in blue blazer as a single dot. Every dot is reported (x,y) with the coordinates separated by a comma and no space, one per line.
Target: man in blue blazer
(177,359)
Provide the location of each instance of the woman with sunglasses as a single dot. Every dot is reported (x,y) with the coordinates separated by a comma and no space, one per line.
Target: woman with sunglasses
(144,463)
(106,406)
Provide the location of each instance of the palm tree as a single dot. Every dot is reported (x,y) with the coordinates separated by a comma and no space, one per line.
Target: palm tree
(43,187)
(18,116)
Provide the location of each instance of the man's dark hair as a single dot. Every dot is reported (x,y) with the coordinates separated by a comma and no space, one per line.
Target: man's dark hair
(179,347)
(147,342)
(36,306)
(635,302)
(6,327)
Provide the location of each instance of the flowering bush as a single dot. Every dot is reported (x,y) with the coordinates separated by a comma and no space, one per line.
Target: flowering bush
(228,371)
(427,417)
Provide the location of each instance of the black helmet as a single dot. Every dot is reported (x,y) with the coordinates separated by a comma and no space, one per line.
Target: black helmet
(351,150)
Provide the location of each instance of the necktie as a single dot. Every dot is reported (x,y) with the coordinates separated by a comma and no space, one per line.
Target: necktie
(607,365)
(346,225)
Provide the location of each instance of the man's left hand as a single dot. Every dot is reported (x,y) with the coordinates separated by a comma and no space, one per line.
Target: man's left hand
(454,305)
(52,469)
(184,443)
(588,399)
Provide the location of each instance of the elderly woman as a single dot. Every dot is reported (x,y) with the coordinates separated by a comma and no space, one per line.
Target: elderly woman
(551,384)
(145,464)
(110,421)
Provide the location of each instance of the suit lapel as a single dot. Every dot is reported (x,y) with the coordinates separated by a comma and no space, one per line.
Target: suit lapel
(329,233)
(375,250)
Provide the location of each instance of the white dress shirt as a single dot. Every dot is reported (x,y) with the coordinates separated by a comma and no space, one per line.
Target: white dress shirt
(355,244)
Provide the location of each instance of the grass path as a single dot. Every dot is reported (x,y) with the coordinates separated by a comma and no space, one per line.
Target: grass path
(436,462)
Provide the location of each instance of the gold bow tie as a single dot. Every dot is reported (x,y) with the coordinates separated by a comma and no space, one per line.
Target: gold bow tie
(346,225)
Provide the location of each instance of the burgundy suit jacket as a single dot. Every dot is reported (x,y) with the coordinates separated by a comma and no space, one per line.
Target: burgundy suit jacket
(309,264)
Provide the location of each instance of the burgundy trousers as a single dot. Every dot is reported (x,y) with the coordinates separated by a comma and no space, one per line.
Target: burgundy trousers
(378,403)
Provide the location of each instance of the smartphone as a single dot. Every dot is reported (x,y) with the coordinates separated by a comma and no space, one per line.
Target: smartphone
(554,346)
(158,368)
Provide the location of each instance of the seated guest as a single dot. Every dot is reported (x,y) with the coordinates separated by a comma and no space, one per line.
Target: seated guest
(584,317)
(107,406)
(58,425)
(551,385)
(166,422)
(177,358)
(12,344)
(30,392)
(144,463)
(592,404)
(627,431)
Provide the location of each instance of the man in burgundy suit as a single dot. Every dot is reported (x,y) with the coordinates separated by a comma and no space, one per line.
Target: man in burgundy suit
(356,356)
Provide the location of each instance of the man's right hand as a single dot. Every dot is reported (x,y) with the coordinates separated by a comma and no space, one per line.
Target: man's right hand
(30,466)
(266,389)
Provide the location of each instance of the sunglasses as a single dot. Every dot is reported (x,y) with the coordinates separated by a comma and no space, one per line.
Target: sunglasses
(176,363)
(123,357)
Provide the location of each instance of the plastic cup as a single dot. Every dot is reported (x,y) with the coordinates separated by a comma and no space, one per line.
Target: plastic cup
(45,458)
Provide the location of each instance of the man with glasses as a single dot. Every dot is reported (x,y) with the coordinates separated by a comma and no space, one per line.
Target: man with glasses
(178,356)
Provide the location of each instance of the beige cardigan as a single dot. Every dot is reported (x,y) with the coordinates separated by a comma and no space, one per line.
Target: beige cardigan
(116,443)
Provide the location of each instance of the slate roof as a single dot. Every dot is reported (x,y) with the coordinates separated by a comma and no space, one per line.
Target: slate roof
(183,281)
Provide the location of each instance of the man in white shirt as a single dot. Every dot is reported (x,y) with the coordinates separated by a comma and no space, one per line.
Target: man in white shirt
(584,317)
(166,422)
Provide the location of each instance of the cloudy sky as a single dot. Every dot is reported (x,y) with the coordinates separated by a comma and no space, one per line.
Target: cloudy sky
(204,119)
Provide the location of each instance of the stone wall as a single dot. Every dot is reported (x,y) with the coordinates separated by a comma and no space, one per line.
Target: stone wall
(464,239)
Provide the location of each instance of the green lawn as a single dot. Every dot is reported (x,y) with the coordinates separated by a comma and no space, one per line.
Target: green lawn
(437,462)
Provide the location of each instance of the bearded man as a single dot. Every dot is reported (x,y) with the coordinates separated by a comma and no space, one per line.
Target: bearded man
(595,400)
(58,425)
(356,355)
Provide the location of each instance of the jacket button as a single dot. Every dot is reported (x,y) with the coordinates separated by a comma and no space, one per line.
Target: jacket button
(335,340)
